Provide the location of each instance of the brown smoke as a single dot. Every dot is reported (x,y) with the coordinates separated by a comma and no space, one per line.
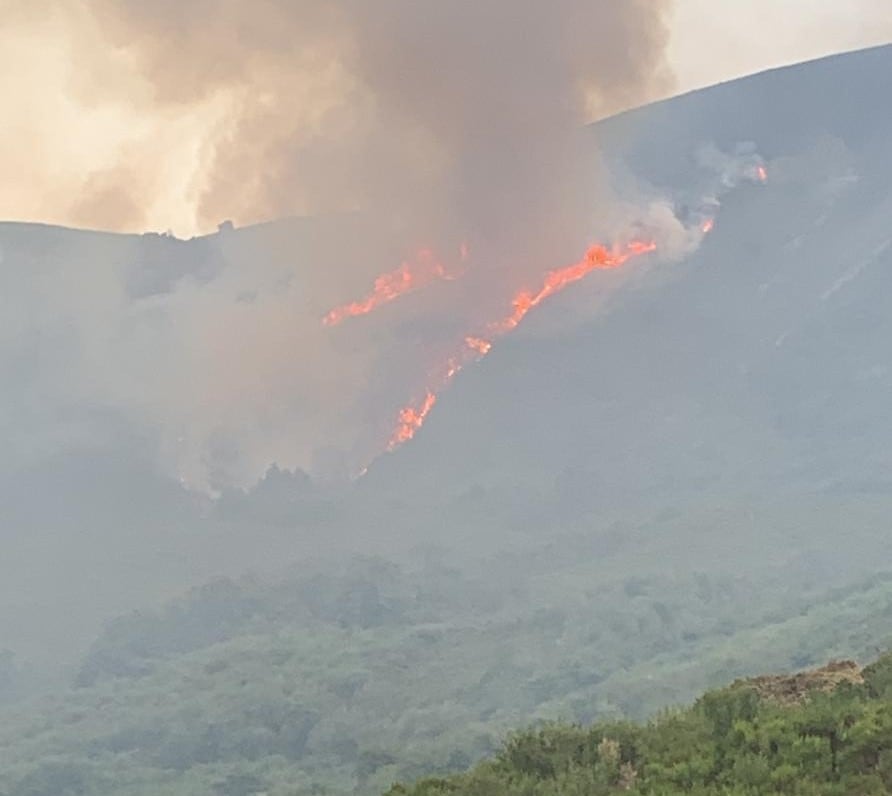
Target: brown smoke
(305,106)
(449,122)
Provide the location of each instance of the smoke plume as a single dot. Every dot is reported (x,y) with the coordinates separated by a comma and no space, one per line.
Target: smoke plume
(449,127)
(203,111)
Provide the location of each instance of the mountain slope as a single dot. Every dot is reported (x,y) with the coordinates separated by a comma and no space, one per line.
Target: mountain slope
(761,362)
(737,400)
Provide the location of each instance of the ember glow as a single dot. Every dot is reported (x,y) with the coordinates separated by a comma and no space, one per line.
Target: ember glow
(411,418)
(478,344)
(410,276)
(598,257)
(475,347)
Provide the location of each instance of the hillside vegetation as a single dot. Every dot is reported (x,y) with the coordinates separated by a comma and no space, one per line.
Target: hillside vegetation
(345,680)
(827,732)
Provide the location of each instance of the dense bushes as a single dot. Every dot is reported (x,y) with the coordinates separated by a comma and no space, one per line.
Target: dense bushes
(347,679)
(739,741)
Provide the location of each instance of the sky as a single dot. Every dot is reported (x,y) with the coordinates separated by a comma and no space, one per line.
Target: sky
(165,116)
(717,40)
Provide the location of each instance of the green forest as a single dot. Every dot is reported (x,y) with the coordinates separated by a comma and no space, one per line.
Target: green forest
(344,679)
(827,732)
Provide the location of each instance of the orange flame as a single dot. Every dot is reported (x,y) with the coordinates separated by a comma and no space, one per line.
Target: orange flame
(598,257)
(479,345)
(412,417)
(393,284)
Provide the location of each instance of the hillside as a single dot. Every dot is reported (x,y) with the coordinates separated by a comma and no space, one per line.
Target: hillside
(662,482)
(751,379)
(759,364)
(740,740)
(344,680)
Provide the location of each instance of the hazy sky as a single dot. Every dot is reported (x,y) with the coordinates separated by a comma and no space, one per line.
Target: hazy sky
(116,118)
(717,40)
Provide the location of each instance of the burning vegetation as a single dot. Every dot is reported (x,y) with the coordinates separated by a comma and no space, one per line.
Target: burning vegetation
(427,268)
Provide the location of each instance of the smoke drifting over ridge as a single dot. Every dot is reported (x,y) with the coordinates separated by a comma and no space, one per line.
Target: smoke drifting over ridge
(214,355)
(448,125)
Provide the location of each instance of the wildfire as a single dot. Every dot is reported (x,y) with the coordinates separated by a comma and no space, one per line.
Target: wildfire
(475,347)
(411,418)
(478,344)
(598,257)
(393,284)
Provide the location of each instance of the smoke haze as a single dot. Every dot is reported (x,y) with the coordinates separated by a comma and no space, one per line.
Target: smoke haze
(202,111)
(450,126)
